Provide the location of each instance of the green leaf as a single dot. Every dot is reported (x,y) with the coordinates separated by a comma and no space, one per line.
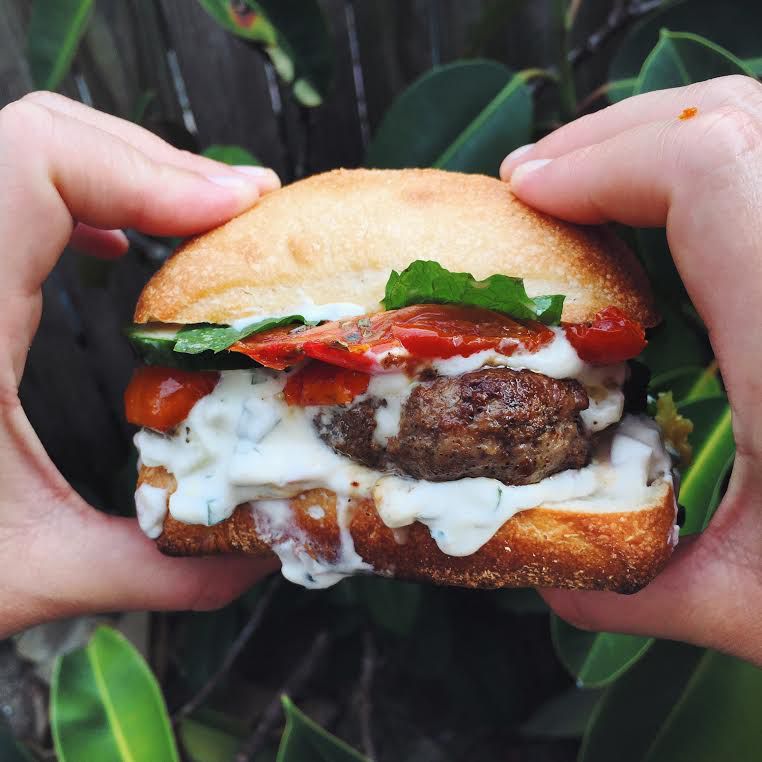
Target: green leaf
(681,58)
(564,716)
(675,342)
(55,31)
(106,704)
(687,383)
(10,749)
(231,155)
(464,116)
(303,739)
(194,339)
(595,659)
(426,282)
(206,743)
(294,35)
(734,26)
(678,704)
(713,448)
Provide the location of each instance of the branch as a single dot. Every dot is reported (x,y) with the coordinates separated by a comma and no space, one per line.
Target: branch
(621,16)
(232,654)
(293,684)
(365,691)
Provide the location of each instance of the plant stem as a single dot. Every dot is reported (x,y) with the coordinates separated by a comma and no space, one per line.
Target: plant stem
(293,684)
(232,654)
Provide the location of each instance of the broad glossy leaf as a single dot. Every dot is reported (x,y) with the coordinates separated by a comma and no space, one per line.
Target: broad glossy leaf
(205,743)
(719,490)
(231,155)
(595,658)
(732,25)
(564,716)
(55,30)
(10,749)
(681,58)
(303,739)
(676,342)
(713,447)
(106,704)
(688,383)
(294,35)
(679,704)
(464,116)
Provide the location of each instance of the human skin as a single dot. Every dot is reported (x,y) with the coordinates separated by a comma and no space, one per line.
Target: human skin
(70,173)
(638,163)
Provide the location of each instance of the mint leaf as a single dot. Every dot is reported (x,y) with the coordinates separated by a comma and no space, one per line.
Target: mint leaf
(205,336)
(425,282)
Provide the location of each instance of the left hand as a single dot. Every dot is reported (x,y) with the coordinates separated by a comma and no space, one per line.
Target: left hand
(71,174)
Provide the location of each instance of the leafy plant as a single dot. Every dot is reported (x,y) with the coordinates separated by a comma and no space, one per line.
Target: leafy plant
(426,127)
(106,704)
(55,31)
(291,32)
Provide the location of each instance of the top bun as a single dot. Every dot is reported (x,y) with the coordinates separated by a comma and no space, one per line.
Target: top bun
(335,237)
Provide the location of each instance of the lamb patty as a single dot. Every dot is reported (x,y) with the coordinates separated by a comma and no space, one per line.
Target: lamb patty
(515,426)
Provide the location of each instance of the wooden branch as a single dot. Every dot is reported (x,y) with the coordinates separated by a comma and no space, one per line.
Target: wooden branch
(232,654)
(294,683)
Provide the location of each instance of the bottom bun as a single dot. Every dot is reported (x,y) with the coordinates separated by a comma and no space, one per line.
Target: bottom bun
(540,547)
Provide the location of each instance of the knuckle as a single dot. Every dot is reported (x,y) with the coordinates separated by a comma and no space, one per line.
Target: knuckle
(211,594)
(22,118)
(734,130)
(740,86)
(43,97)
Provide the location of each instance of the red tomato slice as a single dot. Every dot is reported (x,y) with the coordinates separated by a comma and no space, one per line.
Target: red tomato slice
(161,398)
(611,337)
(319,383)
(424,330)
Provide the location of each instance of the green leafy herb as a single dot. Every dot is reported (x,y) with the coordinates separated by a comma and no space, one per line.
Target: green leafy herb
(207,337)
(428,282)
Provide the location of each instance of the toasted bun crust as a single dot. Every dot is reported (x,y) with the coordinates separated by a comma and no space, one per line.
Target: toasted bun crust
(542,547)
(335,237)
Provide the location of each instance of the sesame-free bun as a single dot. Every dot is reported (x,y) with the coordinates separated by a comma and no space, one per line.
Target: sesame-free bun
(336,237)
(618,550)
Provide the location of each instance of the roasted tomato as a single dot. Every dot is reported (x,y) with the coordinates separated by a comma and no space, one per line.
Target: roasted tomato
(319,383)
(611,337)
(424,330)
(160,398)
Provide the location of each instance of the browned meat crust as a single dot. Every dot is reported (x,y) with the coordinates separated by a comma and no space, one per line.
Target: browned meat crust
(515,426)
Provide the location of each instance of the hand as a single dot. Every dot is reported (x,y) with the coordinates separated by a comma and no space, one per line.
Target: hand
(68,172)
(637,163)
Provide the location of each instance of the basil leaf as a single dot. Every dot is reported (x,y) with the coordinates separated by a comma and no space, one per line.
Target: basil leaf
(425,282)
(205,336)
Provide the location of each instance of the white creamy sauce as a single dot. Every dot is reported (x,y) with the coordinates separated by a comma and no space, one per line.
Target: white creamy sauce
(275,524)
(151,507)
(463,515)
(243,444)
(311,312)
(394,389)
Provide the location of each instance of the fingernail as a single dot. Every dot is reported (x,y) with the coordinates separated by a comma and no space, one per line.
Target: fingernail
(264,175)
(527,168)
(230,181)
(520,151)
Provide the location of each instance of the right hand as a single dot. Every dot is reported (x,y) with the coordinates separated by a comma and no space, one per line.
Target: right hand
(637,163)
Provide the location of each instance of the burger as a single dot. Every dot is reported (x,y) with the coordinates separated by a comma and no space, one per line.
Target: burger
(408,373)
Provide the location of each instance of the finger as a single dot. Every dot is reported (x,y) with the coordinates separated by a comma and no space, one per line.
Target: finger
(92,562)
(633,176)
(144,140)
(661,105)
(103,244)
(60,168)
